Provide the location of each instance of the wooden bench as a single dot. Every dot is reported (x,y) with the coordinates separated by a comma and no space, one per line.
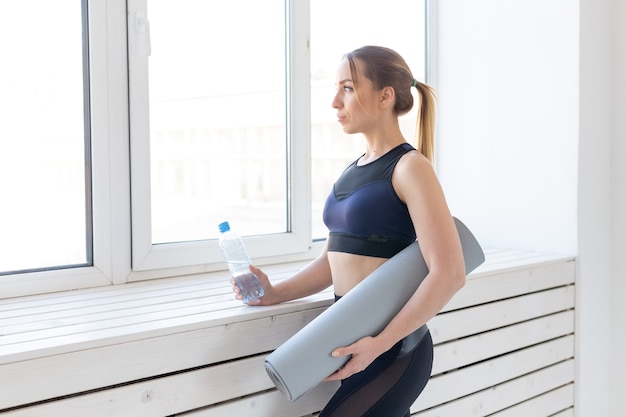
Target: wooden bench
(184,346)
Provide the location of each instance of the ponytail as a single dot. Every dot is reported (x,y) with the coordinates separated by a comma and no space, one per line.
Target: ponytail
(425,125)
(385,67)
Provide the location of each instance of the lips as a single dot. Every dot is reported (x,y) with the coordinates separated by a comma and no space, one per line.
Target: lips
(340,118)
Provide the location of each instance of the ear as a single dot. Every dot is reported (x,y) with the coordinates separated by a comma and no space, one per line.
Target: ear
(387,96)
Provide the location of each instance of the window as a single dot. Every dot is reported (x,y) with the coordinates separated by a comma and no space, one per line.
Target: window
(229,126)
(44,159)
(218,134)
(177,115)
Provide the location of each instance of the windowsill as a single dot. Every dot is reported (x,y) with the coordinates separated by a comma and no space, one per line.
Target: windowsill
(152,329)
(51,324)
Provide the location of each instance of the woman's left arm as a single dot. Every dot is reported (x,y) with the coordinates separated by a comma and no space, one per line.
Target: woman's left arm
(416,184)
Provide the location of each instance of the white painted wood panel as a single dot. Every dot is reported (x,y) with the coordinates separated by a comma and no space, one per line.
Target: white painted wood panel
(466,381)
(184,345)
(476,348)
(147,357)
(162,396)
(565,413)
(460,323)
(545,405)
(497,398)
(480,287)
(17,347)
(271,404)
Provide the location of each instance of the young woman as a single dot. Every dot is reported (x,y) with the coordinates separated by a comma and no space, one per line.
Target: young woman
(381,203)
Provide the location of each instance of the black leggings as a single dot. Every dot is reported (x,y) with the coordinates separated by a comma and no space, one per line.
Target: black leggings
(386,388)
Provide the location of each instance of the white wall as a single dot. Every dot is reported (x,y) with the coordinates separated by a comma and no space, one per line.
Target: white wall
(508,101)
(532,100)
(617,382)
(594,256)
(602,205)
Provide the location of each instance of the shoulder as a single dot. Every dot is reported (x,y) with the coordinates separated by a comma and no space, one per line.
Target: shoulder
(413,163)
(414,174)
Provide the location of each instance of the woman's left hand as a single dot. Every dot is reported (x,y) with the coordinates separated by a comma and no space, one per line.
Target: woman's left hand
(363,352)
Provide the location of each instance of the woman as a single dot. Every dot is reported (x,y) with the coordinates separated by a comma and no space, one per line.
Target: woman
(383,201)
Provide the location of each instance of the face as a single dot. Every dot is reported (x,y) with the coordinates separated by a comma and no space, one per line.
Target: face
(356,115)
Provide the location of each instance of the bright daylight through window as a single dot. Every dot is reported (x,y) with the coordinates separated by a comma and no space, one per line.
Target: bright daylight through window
(44,221)
(192,112)
(218,134)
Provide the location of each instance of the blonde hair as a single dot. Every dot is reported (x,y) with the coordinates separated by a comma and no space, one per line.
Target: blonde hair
(386,68)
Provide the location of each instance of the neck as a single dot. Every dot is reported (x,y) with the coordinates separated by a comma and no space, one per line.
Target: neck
(382,143)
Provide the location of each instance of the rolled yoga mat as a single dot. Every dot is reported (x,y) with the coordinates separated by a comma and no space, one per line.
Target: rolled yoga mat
(304,360)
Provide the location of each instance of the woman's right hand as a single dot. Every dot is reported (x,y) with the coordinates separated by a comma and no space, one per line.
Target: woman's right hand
(269,296)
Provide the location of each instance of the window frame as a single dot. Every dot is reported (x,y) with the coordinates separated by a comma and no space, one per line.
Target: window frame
(122,250)
(152,260)
(109,157)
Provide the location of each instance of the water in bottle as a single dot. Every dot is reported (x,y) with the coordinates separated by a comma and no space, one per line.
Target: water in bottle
(238,262)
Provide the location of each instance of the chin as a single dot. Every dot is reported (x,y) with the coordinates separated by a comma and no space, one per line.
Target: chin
(348,130)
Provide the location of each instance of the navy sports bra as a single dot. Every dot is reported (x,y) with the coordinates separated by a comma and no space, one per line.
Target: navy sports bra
(364,214)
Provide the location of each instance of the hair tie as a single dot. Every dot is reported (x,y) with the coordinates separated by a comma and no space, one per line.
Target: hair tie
(414,83)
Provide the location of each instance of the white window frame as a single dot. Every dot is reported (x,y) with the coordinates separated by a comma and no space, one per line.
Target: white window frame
(121,198)
(109,164)
(152,260)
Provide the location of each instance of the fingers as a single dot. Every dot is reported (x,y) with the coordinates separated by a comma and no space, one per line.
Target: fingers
(339,352)
(362,353)
(260,274)
(344,372)
(267,287)
(238,296)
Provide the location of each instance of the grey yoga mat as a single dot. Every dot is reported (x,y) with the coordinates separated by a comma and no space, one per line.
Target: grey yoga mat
(304,360)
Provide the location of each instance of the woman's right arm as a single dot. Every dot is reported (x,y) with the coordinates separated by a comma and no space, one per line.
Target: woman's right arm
(313,278)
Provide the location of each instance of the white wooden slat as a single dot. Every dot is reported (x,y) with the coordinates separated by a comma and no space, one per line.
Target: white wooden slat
(115,296)
(181,351)
(89,337)
(215,280)
(271,404)
(160,297)
(188,391)
(544,405)
(144,358)
(126,297)
(162,396)
(507,394)
(170,305)
(511,260)
(503,258)
(461,323)
(50,302)
(453,385)
(459,353)
(82,314)
(213,298)
(153,328)
(565,413)
(102,315)
(486,288)
(192,307)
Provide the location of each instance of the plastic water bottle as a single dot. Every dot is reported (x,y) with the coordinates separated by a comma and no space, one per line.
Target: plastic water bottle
(238,263)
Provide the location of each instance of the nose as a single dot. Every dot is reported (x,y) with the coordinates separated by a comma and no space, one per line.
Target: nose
(337,103)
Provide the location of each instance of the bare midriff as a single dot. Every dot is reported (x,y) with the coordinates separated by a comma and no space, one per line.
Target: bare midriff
(349,269)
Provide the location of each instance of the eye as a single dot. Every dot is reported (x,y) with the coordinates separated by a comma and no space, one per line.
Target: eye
(347,89)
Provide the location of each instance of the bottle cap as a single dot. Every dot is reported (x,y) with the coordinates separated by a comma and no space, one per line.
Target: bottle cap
(224,227)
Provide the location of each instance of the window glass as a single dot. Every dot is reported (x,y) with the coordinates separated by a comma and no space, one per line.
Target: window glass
(217,118)
(44,216)
(338,27)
